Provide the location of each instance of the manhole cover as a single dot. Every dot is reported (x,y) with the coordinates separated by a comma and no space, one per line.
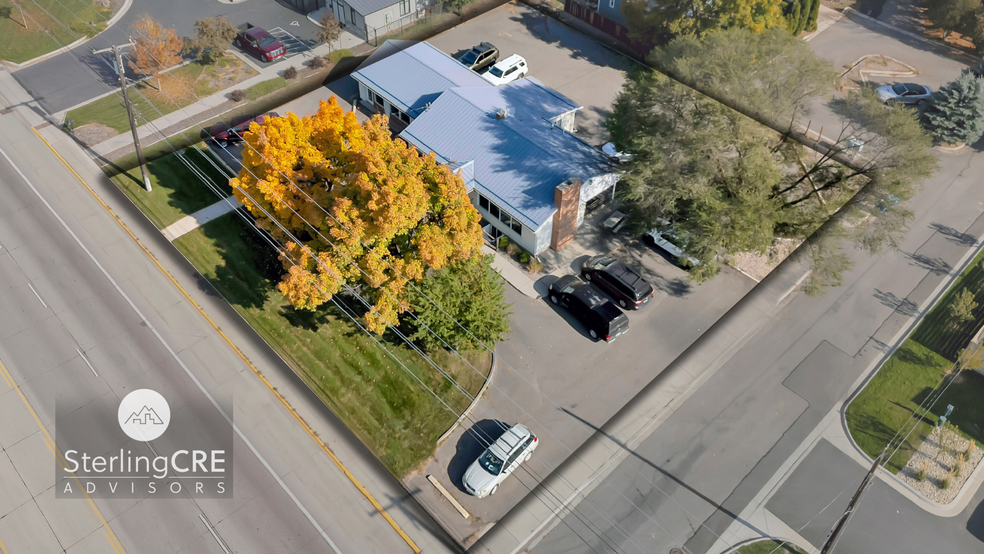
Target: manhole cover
(676,551)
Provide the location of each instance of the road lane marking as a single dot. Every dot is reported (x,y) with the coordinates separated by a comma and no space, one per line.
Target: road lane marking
(41,300)
(215,534)
(86,360)
(3,548)
(50,443)
(307,428)
(174,355)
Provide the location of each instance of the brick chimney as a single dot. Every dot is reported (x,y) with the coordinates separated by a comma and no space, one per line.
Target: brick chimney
(567,197)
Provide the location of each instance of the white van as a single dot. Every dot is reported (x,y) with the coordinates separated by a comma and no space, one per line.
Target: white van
(507,70)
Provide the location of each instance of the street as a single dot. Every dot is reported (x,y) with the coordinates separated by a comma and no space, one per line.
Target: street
(89,317)
(687,483)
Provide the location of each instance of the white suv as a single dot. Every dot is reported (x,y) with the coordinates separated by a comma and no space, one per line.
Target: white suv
(507,70)
(514,447)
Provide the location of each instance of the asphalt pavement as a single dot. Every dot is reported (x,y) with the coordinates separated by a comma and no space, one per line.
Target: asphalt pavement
(76,76)
(688,481)
(89,317)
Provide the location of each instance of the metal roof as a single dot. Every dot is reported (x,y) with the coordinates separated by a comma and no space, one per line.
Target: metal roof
(519,159)
(415,76)
(366,7)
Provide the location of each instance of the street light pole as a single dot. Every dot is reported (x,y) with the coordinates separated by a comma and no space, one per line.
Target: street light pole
(121,71)
(835,532)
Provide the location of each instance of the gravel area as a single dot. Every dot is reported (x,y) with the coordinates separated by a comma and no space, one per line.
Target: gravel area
(938,466)
(758,266)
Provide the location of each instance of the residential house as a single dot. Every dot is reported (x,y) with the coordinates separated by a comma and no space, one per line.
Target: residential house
(527,173)
(603,14)
(367,19)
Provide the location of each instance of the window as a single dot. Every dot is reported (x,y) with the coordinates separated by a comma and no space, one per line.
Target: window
(399,114)
(353,13)
(404,7)
(611,3)
(501,215)
(510,71)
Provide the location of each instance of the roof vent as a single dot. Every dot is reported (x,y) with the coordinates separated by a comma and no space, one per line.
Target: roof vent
(501,114)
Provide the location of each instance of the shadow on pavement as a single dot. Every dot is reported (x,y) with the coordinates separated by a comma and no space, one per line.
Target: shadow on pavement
(471,445)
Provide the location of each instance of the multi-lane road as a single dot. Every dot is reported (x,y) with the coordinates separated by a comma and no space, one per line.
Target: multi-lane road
(87,316)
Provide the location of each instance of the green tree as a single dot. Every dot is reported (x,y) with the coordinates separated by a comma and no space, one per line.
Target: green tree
(794,17)
(955,112)
(652,24)
(330,29)
(771,74)
(961,311)
(952,15)
(455,5)
(213,36)
(469,291)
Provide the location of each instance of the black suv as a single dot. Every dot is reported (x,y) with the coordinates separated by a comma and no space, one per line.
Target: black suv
(480,57)
(626,286)
(596,312)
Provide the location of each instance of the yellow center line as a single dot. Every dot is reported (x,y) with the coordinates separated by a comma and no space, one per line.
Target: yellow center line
(406,538)
(3,548)
(50,443)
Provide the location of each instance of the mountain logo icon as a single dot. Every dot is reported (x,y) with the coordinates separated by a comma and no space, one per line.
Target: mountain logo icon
(144,415)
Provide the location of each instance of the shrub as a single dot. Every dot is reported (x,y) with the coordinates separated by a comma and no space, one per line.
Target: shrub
(290,73)
(945,483)
(513,250)
(955,112)
(318,62)
(503,242)
(238,95)
(535,265)
(957,469)
(337,55)
(921,474)
(524,257)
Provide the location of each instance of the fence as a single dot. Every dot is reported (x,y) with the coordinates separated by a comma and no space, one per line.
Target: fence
(373,34)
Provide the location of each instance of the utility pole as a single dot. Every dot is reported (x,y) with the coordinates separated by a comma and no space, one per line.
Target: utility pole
(839,525)
(121,71)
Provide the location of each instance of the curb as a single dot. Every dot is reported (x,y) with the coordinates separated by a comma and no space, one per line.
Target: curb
(852,11)
(736,547)
(950,149)
(887,476)
(481,393)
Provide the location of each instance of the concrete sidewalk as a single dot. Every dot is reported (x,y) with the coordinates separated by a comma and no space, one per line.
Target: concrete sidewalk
(512,274)
(191,222)
(206,108)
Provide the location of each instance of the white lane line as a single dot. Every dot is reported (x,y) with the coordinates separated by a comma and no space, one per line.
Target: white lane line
(41,300)
(86,360)
(174,355)
(215,535)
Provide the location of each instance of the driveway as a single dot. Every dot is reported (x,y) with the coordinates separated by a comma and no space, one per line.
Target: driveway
(551,377)
(77,76)
(558,56)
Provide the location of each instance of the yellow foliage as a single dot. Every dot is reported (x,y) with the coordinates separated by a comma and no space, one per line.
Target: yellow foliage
(394,212)
(156,48)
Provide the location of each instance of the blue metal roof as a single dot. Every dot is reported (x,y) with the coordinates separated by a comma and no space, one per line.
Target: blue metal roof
(518,160)
(416,76)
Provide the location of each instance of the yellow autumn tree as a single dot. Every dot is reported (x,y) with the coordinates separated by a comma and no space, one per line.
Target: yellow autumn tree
(394,212)
(156,48)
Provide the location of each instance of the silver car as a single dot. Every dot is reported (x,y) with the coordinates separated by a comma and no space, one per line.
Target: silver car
(514,447)
(906,93)
(671,242)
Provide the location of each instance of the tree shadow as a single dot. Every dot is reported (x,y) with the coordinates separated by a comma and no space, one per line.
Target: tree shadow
(975,525)
(963,239)
(903,306)
(470,446)
(937,266)
(312,320)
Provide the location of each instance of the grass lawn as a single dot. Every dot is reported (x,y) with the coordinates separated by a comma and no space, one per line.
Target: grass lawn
(20,44)
(150,103)
(912,373)
(376,398)
(770,547)
(176,191)
(264,88)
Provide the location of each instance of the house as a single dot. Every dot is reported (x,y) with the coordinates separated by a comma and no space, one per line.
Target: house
(603,14)
(367,19)
(527,174)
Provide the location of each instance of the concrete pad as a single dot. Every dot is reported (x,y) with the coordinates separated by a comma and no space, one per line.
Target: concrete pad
(70,519)
(26,530)
(201,217)
(18,422)
(13,491)
(34,462)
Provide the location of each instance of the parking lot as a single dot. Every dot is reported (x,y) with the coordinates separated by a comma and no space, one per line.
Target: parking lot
(560,57)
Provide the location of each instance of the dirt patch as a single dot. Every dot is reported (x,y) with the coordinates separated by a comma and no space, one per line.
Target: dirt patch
(757,265)
(94,133)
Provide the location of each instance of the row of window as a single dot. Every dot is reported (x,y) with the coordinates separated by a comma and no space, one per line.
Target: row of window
(504,217)
(376,99)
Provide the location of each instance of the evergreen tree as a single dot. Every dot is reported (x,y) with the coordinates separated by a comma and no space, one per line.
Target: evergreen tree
(794,17)
(812,15)
(956,111)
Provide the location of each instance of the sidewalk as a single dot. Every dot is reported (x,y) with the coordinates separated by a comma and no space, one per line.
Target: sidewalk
(205,108)
(512,274)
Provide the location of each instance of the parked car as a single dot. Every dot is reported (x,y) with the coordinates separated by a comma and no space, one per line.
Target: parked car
(507,70)
(627,287)
(602,318)
(906,93)
(614,155)
(480,57)
(260,43)
(232,132)
(672,242)
(514,447)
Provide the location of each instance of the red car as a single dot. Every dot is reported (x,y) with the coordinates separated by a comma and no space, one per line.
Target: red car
(224,133)
(261,43)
